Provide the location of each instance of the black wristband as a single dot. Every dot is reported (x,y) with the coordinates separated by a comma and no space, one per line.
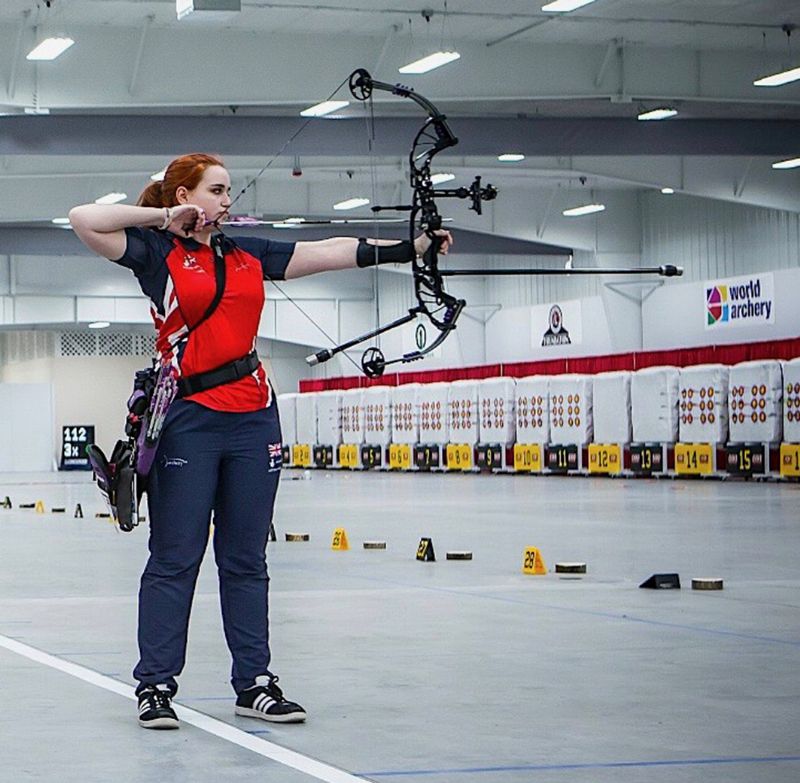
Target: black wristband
(369,255)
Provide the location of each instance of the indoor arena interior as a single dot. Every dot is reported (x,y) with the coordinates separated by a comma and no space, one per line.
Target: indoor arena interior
(436,359)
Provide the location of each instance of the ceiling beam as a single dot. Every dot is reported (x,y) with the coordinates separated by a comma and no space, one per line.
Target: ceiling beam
(170,135)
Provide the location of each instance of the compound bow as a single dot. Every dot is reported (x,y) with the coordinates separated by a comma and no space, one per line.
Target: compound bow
(441,308)
(433,302)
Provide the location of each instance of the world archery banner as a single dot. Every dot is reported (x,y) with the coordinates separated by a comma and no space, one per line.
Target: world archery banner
(557,324)
(740,301)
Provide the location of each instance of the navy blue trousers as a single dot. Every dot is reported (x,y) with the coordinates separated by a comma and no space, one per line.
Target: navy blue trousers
(228,463)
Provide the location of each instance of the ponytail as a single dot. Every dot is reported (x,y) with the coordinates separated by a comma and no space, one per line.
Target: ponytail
(151,196)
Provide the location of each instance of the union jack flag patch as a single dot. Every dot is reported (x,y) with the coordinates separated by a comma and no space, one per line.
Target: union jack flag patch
(275,454)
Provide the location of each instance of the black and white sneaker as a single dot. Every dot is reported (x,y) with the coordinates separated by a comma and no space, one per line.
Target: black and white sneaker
(265,700)
(155,708)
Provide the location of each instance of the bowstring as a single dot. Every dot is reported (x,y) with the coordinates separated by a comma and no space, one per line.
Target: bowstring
(253,181)
(280,152)
(314,323)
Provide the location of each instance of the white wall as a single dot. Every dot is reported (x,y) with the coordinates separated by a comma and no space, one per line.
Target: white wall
(85,390)
(713,239)
(26,426)
(674,316)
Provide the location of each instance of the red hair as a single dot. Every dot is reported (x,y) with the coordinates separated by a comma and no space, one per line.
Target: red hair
(186,171)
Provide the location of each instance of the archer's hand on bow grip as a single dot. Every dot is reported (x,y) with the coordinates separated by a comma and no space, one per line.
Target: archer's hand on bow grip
(444,239)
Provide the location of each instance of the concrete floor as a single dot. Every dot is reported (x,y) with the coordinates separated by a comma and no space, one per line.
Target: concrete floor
(468,672)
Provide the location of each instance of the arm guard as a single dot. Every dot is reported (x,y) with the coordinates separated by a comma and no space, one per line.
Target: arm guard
(400,253)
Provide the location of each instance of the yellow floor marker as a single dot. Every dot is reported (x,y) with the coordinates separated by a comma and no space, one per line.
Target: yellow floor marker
(339,542)
(533,562)
(40,507)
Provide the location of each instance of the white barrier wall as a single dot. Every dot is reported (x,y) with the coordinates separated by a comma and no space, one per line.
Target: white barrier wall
(405,413)
(433,426)
(611,407)
(353,416)
(463,412)
(377,415)
(306,419)
(329,418)
(532,412)
(704,403)
(26,421)
(287,410)
(571,409)
(497,398)
(791,401)
(655,394)
(755,396)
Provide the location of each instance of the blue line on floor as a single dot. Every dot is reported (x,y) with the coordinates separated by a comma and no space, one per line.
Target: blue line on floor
(591,612)
(596,765)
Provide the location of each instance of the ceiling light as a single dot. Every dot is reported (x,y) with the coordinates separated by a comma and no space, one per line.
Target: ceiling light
(295,220)
(351,203)
(586,209)
(60,221)
(50,48)
(657,114)
(435,60)
(438,179)
(99,324)
(562,6)
(777,79)
(286,224)
(510,157)
(36,110)
(111,198)
(793,163)
(159,175)
(667,191)
(321,109)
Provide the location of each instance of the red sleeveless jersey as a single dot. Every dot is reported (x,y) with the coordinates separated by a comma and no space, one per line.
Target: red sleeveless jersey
(178,276)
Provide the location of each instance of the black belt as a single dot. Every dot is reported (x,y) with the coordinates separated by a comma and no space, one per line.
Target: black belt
(227,373)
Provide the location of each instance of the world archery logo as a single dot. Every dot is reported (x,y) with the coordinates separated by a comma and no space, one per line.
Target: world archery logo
(717,307)
(740,301)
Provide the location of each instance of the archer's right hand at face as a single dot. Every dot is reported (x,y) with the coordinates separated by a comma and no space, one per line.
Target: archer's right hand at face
(186,219)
